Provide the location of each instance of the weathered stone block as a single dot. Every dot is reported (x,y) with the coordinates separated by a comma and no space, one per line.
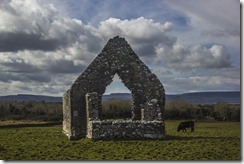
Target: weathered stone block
(133,130)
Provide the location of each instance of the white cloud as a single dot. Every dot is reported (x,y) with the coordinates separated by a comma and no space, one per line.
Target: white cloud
(26,16)
(143,34)
(135,28)
(201,83)
(196,56)
(210,21)
(202,57)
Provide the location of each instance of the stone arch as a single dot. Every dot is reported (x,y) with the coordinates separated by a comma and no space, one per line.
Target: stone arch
(116,57)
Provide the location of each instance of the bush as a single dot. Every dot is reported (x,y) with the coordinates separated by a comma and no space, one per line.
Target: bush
(37,111)
(220,111)
(179,109)
(116,109)
(120,109)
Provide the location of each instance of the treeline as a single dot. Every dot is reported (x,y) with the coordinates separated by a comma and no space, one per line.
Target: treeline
(116,109)
(220,111)
(39,111)
(178,109)
(120,109)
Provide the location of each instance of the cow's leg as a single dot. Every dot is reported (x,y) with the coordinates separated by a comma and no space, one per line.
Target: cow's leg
(186,131)
(192,128)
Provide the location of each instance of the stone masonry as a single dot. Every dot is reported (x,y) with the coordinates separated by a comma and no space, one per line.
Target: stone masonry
(82,102)
(150,126)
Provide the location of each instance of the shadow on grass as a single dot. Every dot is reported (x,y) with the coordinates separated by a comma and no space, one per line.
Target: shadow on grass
(30,125)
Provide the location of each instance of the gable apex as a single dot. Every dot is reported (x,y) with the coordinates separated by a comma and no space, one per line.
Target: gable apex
(117,45)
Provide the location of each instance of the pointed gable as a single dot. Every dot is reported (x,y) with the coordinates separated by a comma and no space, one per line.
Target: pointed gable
(117,57)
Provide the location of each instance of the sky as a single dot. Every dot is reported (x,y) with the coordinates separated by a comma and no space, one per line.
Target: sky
(191,45)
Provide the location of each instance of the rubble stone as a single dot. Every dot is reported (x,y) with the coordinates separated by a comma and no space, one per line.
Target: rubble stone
(82,102)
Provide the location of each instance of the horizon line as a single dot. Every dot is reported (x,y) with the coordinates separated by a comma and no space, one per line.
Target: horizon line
(106,94)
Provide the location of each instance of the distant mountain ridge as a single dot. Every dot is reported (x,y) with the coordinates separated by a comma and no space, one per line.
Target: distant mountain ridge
(28,98)
(122,96)
(232,97)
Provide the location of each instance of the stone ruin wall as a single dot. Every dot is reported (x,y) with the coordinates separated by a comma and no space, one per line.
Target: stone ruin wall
(126,130)
(117,57)
(150,126)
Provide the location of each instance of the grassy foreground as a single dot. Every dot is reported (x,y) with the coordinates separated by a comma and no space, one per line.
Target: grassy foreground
(40,141)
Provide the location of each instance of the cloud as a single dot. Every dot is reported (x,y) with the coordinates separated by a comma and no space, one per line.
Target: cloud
(38,38)
(8,76)
(208,24)
(82,42)
(221,33)
(209,11)
(196,56)
(136,28)
(201,80)
(137,33)
(14,63)
(26,16)
(40,28)
(214,57)
(63,66)
(193,80)
(165,48)
(10,42)
(24,25)
(42,46)
(93,12)
(204,83)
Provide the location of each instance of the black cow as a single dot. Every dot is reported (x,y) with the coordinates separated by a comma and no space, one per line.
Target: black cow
(186,124)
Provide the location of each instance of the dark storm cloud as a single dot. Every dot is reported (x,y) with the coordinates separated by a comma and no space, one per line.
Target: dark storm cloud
(63,66)
(41,77)
(9,76)
(20,67)
(12,42)
(21,71)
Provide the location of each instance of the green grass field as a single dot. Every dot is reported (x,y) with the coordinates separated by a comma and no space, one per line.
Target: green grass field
(40,141)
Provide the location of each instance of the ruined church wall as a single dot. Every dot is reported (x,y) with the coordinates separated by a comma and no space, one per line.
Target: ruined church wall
(116,57)
(151,126)
(74,114)
(120,129)
(66,114)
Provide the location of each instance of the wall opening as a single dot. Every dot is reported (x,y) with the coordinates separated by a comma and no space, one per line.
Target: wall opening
(116,102)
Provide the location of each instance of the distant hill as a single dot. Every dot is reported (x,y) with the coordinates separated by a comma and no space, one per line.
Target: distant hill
(122,96)
(232,97)
(27,98)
